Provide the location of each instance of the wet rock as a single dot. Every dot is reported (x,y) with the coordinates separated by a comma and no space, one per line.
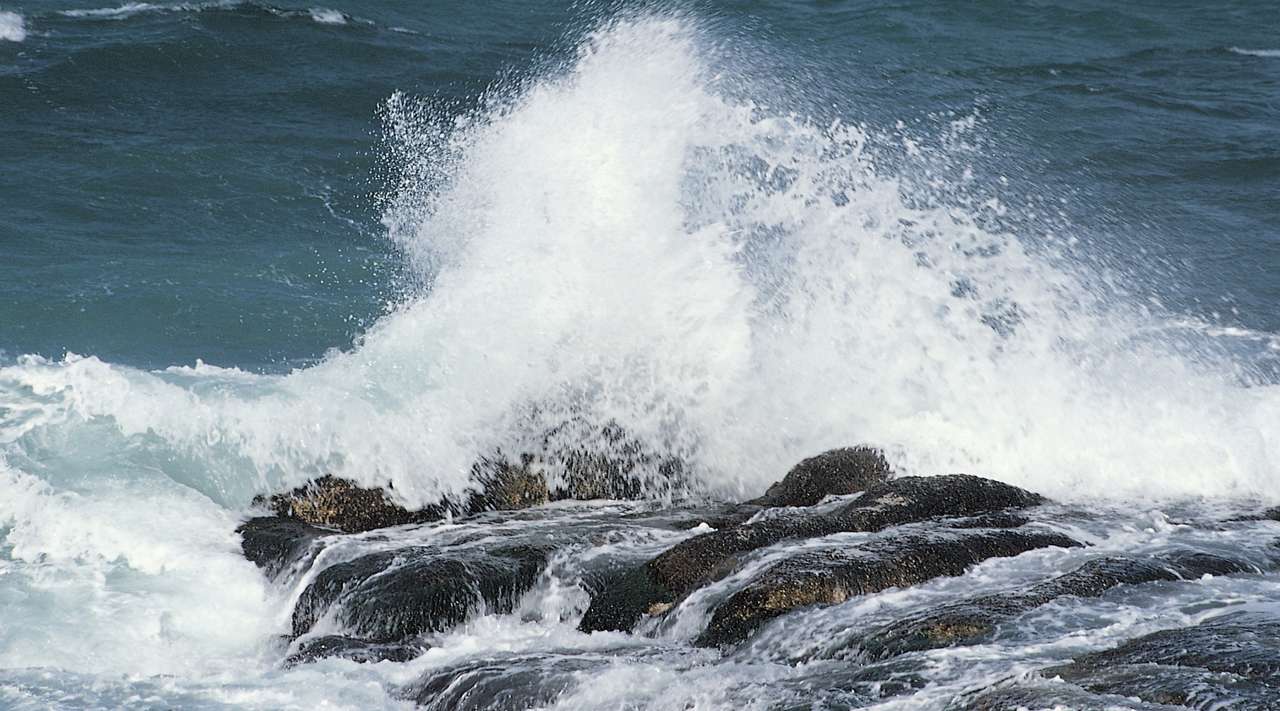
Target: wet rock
(1244,644)
(1272,514)
(276,544)
(1175,686)
(339,504)
(1231,661)
(504,683)
(708,557)
(975,621)
(356,650)
(1050,696)
(507,487)
(831,576)
(395,595)
(837,472)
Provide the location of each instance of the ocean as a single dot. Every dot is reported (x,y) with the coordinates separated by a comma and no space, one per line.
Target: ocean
(245,244)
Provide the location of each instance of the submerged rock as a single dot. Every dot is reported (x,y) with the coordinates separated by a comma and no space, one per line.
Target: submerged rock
(834,473)
(1050,696)
(827,577)
(1229,662)
(509,682)
(356,650)
(1245,644)
(670,576)
(975,621)
(395,595)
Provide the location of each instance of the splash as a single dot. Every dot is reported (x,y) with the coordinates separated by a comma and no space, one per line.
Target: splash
(13,28)
(634,238)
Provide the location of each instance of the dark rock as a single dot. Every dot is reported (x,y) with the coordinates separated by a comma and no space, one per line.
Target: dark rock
(507,487)
(835,473)
(354,649)
(827,577)
(1245,644)
(339,504)
(1231,661)
(1272,514)
(975,621)
(705,558)
(504,683)
(1174,685)
(394,595)
(275,544)
(1050,696)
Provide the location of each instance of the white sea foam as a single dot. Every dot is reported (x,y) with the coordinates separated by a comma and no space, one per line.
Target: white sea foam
(1257,52)
(13,28)
(628,240)
(325,16)
(123,11)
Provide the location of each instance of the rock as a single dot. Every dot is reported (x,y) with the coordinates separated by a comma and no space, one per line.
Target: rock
(505,683)
(339,504)
(834,473)
(975,621)
(392,596)
(276,544)
(1272,514)
(1231,661)
(827,577)
(1246,644)
(356,650)
(605,463)
(1050,696)
(507,487)
(705,558)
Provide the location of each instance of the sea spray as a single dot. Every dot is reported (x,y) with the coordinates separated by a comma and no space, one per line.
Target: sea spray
(626,240)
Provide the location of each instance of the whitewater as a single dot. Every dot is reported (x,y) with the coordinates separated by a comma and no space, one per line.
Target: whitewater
(636,235)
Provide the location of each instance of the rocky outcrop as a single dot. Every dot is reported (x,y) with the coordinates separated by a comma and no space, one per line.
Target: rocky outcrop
(975,621)
(1245,645)
(669,577)
(827,577)
(1230,661)
(605,464)
(277,544)
(395,595)
(343,506)
(837,472)
(1051,696)
(507,683)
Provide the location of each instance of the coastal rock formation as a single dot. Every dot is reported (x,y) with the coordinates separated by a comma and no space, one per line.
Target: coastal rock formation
(975,621)
(275,543)
(831,576)
(395,595)
(343,506)
(1230,661)
(606,464)
(837,472)
(670,576)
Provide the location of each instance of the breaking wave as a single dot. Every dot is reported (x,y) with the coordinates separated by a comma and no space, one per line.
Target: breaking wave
(636,238)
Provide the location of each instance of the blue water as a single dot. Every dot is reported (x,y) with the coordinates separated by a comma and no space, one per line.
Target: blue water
(244,244)
(202,183)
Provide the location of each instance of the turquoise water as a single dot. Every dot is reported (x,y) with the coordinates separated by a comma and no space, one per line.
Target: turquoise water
(246,244)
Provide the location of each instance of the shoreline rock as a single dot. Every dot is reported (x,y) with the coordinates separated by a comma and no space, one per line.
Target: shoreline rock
(672,575)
